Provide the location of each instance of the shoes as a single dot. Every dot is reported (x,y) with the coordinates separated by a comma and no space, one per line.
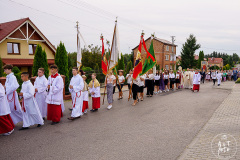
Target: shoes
(9,133)
(94,110)
(160,91)
(53,123)
(23,128)
(39,125)
(109,107)
(85,111)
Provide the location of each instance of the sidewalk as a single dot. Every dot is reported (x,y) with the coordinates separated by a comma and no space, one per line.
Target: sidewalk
(225,121)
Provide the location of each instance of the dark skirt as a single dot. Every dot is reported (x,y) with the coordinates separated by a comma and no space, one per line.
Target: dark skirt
(177,80)
(165,81)
(140,89)
(157,82)
(135,89)
(120,89)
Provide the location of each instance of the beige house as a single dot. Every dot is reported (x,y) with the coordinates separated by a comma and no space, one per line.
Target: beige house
(18,41)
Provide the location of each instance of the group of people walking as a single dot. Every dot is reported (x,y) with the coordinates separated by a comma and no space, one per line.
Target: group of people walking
(44,98)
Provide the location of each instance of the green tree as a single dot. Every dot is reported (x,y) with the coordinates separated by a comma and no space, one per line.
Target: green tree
(37,62)
(230,61)
(40,61)
(188,50)
(96,68)
(129,67)
(157,67)
(121,64)
(200,59)
(235,58)
(61,60)
(45,63)
(1,67)
(16,71)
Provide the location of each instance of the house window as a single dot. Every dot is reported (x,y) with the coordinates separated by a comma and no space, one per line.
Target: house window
(13,48)
(166,67)
(167,48)
(167,57)
(32,48)
(172,49)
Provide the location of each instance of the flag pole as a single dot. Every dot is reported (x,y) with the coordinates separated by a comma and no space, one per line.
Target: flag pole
(78,39)
(109,61)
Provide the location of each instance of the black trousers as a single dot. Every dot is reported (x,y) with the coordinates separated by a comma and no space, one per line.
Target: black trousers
(202,79)
(214,80)
(114,89)
(135,91)
(150,87)
(172,81)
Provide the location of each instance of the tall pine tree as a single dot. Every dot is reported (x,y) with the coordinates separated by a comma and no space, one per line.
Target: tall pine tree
(200,59)
(40,61)
(187,53)
(61,60)
(121,64)
(45,63)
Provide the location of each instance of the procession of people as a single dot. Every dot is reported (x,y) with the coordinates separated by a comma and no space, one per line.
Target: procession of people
(44,98)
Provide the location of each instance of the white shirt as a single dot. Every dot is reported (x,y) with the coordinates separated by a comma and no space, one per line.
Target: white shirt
(110,79)
(214,75)
(156,77)
(4,107)
(41,84)
(165,76)
(120,79)
(196,78)
(95,90)
(129,78)
(77,83)
(11,84)
(55,94)
(150,77)
(177,76)
(141,83)
(137,80)
(171,75)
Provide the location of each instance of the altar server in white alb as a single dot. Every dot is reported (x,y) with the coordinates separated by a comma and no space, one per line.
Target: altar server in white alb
(6,123)
(94,89)
(219,77)
(85,95)
(196,81)
(31,112)
(55,96)
(11,86)
(40,86)
(75,88)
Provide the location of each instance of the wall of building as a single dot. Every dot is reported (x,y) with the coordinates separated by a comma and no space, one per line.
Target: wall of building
(160,52)
(24,51)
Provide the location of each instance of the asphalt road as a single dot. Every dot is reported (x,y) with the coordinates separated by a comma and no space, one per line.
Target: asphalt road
(157,128)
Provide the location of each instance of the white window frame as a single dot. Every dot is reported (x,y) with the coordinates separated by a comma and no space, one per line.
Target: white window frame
(167,48)
(166,67)
(166,57)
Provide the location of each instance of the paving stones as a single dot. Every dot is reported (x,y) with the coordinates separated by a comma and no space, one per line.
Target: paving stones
(224,121)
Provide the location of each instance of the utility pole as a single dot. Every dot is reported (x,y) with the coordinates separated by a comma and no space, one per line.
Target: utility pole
(173,39)
(173,55)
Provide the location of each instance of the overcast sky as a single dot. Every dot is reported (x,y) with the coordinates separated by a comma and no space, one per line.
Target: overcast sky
(215,23)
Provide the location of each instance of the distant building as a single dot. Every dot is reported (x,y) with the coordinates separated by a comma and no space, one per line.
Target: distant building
(165,52)
(215,62)
(18,41)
